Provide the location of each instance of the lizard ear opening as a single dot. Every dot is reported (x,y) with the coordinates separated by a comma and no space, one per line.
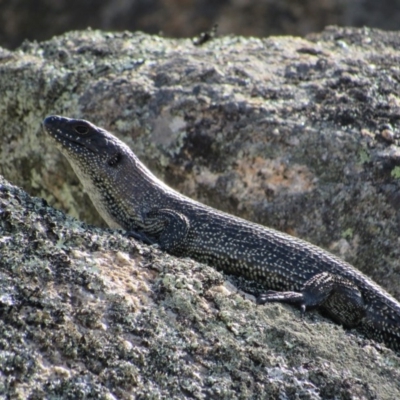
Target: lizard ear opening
(114,159)
(81,129)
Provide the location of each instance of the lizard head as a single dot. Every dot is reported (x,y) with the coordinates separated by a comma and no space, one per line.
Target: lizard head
(110,172)
(85,144)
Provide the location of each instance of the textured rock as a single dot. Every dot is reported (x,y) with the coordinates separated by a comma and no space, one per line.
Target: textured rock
(88,313)
(298,134)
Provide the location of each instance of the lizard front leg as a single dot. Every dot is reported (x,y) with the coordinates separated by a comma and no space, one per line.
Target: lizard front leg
(169,227)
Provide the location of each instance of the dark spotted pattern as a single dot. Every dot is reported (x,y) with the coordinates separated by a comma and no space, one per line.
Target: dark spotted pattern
(129,196)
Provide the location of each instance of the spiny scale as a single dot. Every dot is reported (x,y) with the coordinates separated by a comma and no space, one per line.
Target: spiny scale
(127,195)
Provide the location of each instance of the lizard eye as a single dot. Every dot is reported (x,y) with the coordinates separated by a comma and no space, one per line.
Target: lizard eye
(82,129)
(115,159)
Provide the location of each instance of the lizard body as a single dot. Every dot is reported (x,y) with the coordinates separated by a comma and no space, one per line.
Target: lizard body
(128,196)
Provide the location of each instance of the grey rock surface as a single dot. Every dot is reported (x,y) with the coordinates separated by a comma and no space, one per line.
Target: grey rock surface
(298,134)
(88,314)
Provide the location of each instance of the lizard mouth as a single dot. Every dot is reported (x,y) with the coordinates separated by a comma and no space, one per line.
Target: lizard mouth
(68,141)
(65,137)
(76,136)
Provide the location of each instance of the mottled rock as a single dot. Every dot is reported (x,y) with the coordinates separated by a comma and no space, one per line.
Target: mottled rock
(88,313)
(283,131)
